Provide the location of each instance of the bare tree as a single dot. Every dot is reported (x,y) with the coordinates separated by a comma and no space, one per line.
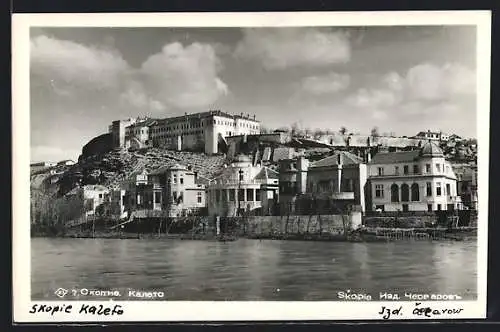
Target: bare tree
(294,129)
(375,132)
(343,130)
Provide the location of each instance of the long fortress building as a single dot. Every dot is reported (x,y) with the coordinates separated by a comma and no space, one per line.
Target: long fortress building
(204,131)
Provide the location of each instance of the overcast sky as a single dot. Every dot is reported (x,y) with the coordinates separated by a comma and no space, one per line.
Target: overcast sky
(401,79)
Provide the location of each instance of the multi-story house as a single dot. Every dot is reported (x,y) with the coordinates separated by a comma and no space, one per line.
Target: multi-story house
(340,180)
(243,188)
(418,180)
(176,190)
(91,197)
(292,182)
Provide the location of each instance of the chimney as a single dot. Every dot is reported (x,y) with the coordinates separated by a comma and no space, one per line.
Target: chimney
(254,116)
(241,114)
(195,177)
(368,156)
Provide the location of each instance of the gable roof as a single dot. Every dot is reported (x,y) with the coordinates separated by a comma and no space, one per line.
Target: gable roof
(347,159)
(395,157)
(266,173)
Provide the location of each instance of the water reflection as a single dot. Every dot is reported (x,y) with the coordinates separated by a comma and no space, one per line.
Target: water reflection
(253,269)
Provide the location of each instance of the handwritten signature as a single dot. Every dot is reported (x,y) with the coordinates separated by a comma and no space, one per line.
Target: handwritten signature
(418,311)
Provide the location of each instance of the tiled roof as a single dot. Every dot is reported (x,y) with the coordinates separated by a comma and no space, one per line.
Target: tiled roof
(395,157)
(347,159)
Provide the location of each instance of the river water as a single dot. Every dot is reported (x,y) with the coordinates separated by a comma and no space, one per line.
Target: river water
(250,269)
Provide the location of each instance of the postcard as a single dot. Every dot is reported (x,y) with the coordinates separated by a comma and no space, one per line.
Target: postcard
(250,166)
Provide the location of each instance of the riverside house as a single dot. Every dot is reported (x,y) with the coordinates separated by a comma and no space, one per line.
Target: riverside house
(174,190)
(243,188)
(418,180)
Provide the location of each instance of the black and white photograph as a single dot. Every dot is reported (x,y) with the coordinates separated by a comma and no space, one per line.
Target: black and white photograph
(333,162)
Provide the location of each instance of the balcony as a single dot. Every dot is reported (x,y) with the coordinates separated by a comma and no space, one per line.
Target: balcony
(338,196)
(346,195)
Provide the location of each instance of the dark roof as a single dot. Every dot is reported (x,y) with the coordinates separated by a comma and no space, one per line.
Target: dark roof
(266,173)
(347,159)
(395,157)
(431,149)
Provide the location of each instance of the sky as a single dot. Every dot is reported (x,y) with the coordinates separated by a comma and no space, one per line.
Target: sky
(398,79)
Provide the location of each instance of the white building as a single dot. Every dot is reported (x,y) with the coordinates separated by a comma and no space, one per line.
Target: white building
(433,135)
(204,131)
(66,162)
(138,135)
(117,130)
(419,180)
(243,188)
(92,196)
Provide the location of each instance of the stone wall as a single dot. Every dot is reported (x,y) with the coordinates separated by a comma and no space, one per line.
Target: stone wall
(401,222)
(267,225)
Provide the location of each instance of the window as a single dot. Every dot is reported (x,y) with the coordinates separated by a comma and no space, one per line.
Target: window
(232,197)
(241,195)
(379,190)
(439,207)
(100,195)
(380,171)
(394,193)
(438,168)
(199,197)
(406,169)
(157,198)
(438,188)
(217,195)
(429,207)
(415,192)
(427,168)
(415,169)
(175,178)
(396,170)
(429,189)
(181,197)
(405,207)
(181,180)
(448,189)
(405,193)
(250,195)
(175,195)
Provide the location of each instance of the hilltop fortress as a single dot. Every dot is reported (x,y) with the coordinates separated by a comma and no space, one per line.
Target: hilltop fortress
(216,132)
(204,131)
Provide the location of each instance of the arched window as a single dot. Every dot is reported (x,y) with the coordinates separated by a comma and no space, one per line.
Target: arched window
(394,193)
(415,192)
(405,193)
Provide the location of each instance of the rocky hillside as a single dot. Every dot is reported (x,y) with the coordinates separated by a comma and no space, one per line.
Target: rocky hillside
(112,168)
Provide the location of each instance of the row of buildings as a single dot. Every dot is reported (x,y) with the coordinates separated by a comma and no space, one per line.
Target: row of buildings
(204,131)
(417,180)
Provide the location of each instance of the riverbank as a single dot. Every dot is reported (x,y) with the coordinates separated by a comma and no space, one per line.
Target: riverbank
(359,235)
